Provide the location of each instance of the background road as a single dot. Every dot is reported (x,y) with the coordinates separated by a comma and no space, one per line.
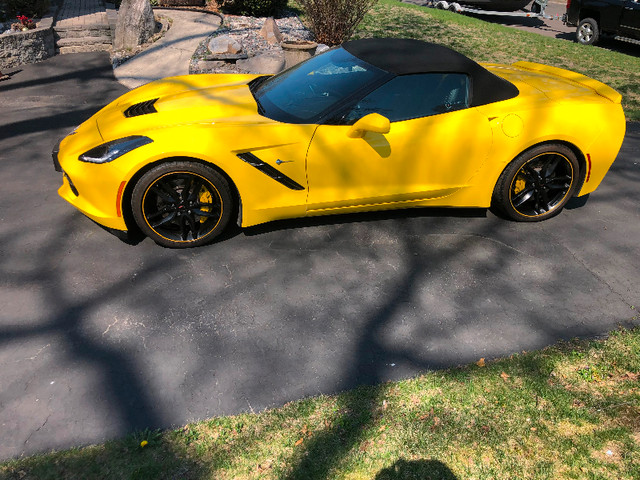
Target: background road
(553,27)
(98,337)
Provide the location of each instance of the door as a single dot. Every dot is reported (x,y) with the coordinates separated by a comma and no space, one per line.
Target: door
(434,146)
(630,19)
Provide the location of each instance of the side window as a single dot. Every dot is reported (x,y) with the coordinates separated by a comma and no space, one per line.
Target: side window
(414,96)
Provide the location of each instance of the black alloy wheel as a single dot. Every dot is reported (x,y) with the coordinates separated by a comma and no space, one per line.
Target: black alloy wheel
(182,204)
(538,183)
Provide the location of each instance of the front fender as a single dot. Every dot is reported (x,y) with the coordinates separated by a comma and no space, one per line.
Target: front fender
(282,147)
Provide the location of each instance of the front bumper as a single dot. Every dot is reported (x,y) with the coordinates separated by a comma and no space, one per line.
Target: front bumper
(94,189)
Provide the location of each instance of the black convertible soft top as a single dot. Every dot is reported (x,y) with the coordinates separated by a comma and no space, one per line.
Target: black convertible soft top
(402,56)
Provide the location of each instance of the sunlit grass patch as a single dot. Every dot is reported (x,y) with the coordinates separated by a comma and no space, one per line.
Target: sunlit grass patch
(488,42)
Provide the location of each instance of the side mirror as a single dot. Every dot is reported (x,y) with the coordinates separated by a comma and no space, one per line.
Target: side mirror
(374,122)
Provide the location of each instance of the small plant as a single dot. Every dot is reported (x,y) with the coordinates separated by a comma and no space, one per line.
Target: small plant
(190,434)
(334,21)
(591,374)
(24,23)
(143,438)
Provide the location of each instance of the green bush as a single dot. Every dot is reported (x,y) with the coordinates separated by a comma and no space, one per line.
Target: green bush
(30,8)
(255,8)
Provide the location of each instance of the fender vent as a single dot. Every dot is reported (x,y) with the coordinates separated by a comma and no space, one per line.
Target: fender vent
(142,108)
(269,171)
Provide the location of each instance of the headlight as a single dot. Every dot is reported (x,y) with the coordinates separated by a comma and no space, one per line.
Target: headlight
(107,152)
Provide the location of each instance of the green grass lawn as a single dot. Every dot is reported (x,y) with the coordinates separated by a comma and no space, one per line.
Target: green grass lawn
(487,42)
(571,411)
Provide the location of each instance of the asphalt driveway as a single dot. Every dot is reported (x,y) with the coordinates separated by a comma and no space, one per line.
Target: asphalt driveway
(98,337)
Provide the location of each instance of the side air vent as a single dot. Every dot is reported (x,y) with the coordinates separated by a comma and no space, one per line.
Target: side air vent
(269,171)
(142,108)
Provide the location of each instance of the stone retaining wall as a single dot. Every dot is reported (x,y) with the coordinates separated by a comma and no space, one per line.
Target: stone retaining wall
(31,46)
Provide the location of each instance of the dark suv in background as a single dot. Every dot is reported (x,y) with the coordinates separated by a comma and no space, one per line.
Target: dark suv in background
(617,18)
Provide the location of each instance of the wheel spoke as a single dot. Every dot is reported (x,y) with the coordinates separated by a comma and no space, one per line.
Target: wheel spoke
(184,230)
(523,196)
(544,205)
(163,193)
(157,214)
(171,188)
(560,183)
(164,221)
(194,190)
(550,167)
(193,225)
(202,213)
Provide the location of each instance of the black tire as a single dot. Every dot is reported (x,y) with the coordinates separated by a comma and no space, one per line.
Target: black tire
(538,183)
(182,204)
(536,8)
(588,31)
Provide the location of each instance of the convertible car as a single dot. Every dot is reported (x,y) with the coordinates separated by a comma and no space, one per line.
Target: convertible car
(373,124)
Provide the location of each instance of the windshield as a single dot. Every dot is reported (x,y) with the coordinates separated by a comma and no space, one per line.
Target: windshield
(310,90)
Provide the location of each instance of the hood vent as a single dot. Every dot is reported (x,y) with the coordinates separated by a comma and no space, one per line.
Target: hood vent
(142,108)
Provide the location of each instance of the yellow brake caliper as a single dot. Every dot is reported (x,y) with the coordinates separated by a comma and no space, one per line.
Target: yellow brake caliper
(519,185)
(205,198)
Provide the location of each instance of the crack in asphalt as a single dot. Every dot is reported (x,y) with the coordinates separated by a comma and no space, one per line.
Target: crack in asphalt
(37,429)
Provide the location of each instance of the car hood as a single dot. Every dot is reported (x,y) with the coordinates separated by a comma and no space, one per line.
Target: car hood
(191,99)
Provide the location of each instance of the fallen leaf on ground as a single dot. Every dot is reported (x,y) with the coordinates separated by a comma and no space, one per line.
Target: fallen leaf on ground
(480,362)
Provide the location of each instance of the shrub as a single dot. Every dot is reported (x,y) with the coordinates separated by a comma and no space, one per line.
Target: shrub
(30,8)
(255,8)
(334,21)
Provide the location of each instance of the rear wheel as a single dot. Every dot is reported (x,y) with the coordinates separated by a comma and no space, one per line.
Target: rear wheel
(182,204)
(538,183)
(588,31)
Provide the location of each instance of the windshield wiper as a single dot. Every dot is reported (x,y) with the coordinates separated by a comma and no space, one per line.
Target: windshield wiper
(256,82)
(253,88)
(260,107)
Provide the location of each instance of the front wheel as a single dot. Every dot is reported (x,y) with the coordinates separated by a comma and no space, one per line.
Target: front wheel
(538,183)
(588,31)
(182,204)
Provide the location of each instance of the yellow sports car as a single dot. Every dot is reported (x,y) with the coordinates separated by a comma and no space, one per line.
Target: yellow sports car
(373,124)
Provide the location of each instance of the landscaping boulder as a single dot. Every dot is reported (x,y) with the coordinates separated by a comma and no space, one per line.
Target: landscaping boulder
(270,31)
(135,24)
(224,44)
(265,63)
